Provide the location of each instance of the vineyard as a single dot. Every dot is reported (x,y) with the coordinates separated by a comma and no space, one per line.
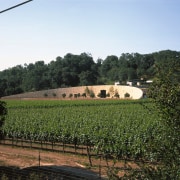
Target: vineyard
(115,129)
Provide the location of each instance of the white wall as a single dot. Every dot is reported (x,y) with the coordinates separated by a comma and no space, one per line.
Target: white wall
(135,93)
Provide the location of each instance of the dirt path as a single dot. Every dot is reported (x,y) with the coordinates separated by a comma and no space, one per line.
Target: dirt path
(23,158)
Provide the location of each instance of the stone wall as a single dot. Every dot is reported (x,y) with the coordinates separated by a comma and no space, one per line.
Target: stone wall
(135,93)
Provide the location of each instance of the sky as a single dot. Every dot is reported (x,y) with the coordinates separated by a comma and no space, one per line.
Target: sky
(46,29)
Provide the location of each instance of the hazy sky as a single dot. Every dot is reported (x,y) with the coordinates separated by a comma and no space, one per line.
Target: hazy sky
(45,29)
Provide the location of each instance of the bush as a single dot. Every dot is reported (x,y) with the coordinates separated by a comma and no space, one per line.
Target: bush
(116,95)
(83,95)
(99,95)
(3,112)
(45,95)
(126,95)
(54,94)
(107,95)
(87,91)
(92,95)
(64,95)
(111,91)
(165,92)
(70,95)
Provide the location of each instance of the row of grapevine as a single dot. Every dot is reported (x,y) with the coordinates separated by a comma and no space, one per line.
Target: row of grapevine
(115,128)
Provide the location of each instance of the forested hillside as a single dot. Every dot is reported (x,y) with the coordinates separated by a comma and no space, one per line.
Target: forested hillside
(81,70)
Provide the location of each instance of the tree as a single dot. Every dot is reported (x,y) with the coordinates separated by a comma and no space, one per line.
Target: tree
(123,74)
(3,112)
(11,80)
(55,73)
(36,77)
(3,87)
(86,78)
(109,69)
(70,70)
(85,62)
(165,92)
(131,74)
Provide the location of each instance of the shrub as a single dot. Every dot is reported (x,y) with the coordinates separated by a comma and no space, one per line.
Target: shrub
(87,91)
(70,95)
(107,95)
(116,95)
(126,95)
(165,92)
(99,94)
(111,91)
(64,95)
(91,94)
(54,94)
(45,95)
(3,112)
(83,95)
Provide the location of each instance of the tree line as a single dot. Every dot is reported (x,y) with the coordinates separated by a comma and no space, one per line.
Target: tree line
(81,70)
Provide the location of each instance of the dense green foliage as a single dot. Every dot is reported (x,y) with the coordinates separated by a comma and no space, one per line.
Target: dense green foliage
(3,112)
(166,93)
(77,70)
(122,129)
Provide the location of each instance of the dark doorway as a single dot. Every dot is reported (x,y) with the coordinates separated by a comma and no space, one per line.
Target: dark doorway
(103,93)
